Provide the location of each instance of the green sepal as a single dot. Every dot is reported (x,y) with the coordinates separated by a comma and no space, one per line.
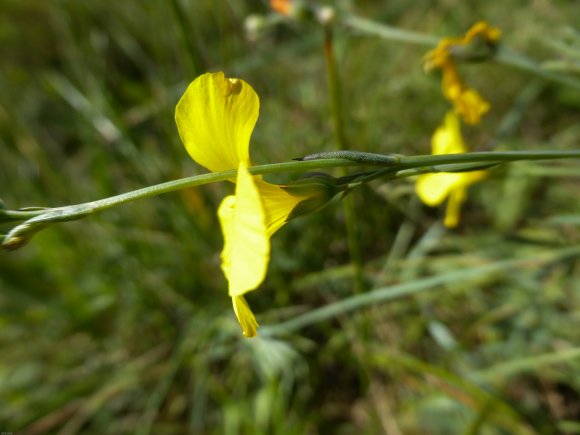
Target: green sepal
(318,187)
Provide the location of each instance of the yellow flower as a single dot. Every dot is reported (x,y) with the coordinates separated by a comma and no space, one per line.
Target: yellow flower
(215,118)
(433,189)
(466,101)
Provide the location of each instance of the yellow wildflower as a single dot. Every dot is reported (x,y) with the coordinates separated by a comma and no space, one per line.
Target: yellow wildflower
(215,118)
(466,101)
(433,189)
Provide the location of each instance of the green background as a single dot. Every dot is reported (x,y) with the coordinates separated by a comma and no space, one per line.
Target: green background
(121,323)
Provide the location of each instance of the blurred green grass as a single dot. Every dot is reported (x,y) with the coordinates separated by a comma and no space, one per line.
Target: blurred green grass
(120,323)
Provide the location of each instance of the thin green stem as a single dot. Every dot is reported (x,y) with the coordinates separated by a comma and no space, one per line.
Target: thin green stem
(340,140)
(399,167)
(72,211)
(402,163)
(388,32)
(485,156)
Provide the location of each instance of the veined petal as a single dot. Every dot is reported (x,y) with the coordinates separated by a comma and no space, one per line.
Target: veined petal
(245,316)
(278,204)
(246,250)
(215,118)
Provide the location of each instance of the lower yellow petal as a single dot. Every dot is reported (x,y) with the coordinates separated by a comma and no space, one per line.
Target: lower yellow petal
(456,198)
(432,189)
(278,204)
(245,316)
(246,250)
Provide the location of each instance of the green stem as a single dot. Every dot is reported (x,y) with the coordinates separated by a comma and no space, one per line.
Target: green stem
(485,156)
(73,211)
(402,163)
(388,32)
(340,140)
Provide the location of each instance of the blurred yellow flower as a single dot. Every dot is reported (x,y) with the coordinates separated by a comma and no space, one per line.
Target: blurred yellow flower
(215,118)
(283,7)
(433,189)
(466,101)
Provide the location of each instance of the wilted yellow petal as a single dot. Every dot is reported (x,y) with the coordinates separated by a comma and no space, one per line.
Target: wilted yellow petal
(246,244)
(466,101)
(215,118)
(483,30)
(470,105)
(245,316)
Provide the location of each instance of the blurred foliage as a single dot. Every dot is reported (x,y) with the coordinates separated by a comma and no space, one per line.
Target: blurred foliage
(120,323)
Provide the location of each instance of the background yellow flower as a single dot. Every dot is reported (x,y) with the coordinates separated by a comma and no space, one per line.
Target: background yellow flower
(433,189)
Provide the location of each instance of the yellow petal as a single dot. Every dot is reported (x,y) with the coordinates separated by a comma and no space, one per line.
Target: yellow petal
(432,189)
(246,244)
(453,209)
(466,101)
(215,118)
(470,105)
(278,204)
(245,316)
(483,30)
(447,138)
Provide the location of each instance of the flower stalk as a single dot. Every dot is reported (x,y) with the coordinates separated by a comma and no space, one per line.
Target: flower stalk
(393,169)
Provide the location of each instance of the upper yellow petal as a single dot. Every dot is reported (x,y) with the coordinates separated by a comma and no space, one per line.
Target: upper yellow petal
(215,118)
(246,250)
(447,138)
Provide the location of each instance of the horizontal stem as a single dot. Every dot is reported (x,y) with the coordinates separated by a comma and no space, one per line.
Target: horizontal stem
(72,211)
(486,156)
(403,162)
(389,32)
